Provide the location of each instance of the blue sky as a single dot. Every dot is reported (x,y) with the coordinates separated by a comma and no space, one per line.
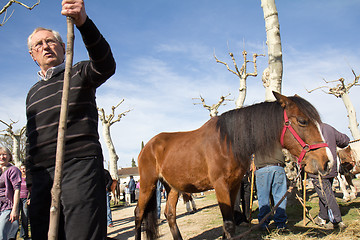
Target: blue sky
(164,53)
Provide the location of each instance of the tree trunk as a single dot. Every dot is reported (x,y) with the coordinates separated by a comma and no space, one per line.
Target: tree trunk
(112,153)
(242,94)
(353,124)
(16,150)
(272,27)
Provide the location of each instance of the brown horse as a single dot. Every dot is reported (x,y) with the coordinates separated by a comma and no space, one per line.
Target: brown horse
(348,167)
(217,155)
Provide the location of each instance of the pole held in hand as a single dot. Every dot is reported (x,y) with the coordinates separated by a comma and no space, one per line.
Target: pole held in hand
(60,149)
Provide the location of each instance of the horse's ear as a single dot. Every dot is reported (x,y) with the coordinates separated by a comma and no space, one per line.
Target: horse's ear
(283,100)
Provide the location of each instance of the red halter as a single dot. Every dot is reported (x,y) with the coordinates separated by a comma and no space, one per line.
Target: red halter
(306,147)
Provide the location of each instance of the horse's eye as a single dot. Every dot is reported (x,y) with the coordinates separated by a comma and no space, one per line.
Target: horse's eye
(302,122)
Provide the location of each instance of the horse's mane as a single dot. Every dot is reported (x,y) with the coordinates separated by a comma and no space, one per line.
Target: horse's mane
(306,108)
(257,128)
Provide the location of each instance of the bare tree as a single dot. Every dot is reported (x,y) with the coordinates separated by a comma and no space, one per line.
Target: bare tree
(341,90)
(272,76)
(214,108)
(9,3)
(16,137)
(107,121)
(242,74)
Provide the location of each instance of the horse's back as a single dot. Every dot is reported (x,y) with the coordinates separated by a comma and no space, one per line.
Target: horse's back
(188,160)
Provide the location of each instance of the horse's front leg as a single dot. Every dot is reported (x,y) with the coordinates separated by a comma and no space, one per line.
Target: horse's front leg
(226,199)
(170,213)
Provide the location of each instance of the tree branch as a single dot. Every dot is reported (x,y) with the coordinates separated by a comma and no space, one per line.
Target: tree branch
(108,119)
(341,88)
(5,8)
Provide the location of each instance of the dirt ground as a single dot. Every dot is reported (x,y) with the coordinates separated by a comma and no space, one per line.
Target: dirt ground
(206,223)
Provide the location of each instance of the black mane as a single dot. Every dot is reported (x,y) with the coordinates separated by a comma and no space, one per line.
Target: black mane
(257,128)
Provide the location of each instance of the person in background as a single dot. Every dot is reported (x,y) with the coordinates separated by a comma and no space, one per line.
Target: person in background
(10,181)
(159,189)
(83,202)
(132,187)
(23,207)
(243,199)
(329,208)
(188,199)
(270,178)
(108,182)
(127,195)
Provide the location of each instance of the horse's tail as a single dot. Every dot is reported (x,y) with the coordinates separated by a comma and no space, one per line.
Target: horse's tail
(150,218)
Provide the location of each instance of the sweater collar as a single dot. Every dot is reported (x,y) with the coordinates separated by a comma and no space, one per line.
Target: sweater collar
(51,72)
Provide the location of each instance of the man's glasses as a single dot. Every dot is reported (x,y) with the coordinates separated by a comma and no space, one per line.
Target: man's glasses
(41,44)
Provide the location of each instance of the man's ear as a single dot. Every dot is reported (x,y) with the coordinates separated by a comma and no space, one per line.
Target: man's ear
(32,56)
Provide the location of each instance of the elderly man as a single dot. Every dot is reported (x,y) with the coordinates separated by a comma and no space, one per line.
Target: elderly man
(83,203)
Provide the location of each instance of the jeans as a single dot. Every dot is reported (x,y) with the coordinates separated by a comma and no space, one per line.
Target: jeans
(158,198)
(271,179)
(109,217)
(7,230)
(24,230)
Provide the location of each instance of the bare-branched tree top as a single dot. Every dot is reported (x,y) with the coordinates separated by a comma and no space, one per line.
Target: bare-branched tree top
(9,3)
(242,74)
(16,140)
(214,108)
(341,90)
(107,121)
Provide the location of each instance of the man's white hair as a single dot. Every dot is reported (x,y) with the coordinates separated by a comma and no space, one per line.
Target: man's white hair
(38,29)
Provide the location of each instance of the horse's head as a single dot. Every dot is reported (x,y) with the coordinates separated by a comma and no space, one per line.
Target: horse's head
(302,136)
(347,157)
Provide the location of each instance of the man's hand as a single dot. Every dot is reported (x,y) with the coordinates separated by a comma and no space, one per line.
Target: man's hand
(74,9)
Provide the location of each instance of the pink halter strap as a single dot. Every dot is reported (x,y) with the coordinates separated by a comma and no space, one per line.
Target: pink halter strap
(306,147)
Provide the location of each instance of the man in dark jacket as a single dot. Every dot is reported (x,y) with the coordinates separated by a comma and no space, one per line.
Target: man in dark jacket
(132,187)
(83,203)
(329,208)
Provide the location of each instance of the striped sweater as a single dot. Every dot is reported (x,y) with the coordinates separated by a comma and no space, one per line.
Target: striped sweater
(44,100)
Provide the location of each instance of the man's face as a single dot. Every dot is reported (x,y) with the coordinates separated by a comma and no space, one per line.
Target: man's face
(46,50)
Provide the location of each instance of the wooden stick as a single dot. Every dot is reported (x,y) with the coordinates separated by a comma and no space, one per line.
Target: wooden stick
(60,149)
(307,211)
(304,206)
(252,189)
(266,216)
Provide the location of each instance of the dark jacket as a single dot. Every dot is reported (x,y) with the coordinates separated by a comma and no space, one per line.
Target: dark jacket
(334,139)
(270,159)
(132,185)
